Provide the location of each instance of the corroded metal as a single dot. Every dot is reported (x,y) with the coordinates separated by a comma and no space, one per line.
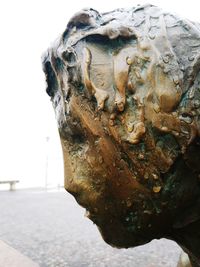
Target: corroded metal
(125,86)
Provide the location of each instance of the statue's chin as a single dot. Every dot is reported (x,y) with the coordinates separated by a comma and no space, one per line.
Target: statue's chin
(117,236)
(111,228)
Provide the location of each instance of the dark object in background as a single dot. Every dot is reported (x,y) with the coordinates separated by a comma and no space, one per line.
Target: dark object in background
(125,86)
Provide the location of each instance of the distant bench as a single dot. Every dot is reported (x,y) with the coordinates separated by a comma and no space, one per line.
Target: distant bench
(11,182)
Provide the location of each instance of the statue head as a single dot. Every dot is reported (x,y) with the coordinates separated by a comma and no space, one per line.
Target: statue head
(125,86)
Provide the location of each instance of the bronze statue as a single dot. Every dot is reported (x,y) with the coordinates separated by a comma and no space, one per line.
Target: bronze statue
(125,86)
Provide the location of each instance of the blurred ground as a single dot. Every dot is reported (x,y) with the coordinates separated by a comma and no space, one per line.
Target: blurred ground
(50,228)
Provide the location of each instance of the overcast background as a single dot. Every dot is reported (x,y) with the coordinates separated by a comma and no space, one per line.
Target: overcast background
(26,29)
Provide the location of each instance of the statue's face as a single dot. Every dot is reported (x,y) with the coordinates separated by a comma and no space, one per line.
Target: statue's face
(122,133)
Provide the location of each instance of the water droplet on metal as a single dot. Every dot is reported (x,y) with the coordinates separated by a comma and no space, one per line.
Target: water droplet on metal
(176,80)
(155,176)
(175,133)
(128,61)
(196,103)
(111,122)
(140,156)
(152,36)
(191,58)
(188,119)
(120,106)
(166,59)
(100,159)
(130,127)
(165,70)
(164,129)
(147,212)
(128,203)
(137,73)
(130,30)
(112,116)
(185,130)
(156,108)
(156,189)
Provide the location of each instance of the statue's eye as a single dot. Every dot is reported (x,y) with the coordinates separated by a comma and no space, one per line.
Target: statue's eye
(52,83)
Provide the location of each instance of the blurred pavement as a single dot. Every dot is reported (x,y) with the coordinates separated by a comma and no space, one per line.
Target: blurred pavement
(50,228)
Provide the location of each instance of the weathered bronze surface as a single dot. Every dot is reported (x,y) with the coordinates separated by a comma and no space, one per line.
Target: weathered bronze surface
(125,86)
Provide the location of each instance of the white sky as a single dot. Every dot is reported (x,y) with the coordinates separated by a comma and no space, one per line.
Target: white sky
(26,30)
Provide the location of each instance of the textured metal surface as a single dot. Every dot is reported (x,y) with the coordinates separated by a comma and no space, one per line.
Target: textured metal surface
(125,86)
